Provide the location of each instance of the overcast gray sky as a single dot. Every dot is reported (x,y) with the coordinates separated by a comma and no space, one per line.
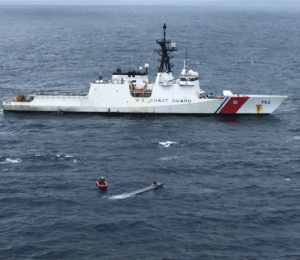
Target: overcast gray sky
(154,2)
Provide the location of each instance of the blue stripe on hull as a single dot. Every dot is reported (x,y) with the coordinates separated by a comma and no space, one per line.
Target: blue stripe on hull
(224,101)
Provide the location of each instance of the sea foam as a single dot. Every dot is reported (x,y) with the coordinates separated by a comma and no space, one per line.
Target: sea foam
(12,160)
(167,143)
(168,158)
(121,196)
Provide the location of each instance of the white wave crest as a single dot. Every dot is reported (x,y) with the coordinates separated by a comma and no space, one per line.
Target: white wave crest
(63,156)
(12,160)
(168,158)
(167,143)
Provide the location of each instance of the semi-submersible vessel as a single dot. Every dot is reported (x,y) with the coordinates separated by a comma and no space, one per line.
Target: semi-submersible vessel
(132,92)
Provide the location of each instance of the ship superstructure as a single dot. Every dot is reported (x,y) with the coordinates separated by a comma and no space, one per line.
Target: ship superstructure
(132,92)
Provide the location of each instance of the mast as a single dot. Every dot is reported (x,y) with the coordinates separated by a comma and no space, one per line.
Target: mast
(167,47)
(185,64)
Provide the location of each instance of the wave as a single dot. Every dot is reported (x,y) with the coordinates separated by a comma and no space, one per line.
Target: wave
(62,156)
(41,156)
(167,143)
(297,137)
(11,160)
(295,130)
(168,158)
(66,156)
(293,138)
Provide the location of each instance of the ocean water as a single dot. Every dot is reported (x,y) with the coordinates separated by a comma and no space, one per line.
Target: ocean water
(231,183)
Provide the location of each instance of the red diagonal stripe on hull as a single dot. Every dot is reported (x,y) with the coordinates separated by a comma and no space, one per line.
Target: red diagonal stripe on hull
(233,105)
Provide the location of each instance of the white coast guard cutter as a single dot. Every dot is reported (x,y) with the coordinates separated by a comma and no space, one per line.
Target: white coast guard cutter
(132,92)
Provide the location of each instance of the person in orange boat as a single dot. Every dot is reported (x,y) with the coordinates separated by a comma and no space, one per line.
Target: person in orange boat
(101,181)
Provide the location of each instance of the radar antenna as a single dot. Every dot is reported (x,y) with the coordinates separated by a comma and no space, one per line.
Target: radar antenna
(167,47)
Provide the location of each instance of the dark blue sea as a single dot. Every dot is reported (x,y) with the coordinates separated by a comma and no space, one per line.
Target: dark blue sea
(232,184)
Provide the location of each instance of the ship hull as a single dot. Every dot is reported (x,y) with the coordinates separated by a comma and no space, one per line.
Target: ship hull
(237,104)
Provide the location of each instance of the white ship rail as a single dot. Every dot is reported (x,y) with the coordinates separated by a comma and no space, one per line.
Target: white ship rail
(109,81)
(14,100)
(187,83)
(62,95)
(45,95)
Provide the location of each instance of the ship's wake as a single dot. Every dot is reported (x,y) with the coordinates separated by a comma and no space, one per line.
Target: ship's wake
(121,196)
